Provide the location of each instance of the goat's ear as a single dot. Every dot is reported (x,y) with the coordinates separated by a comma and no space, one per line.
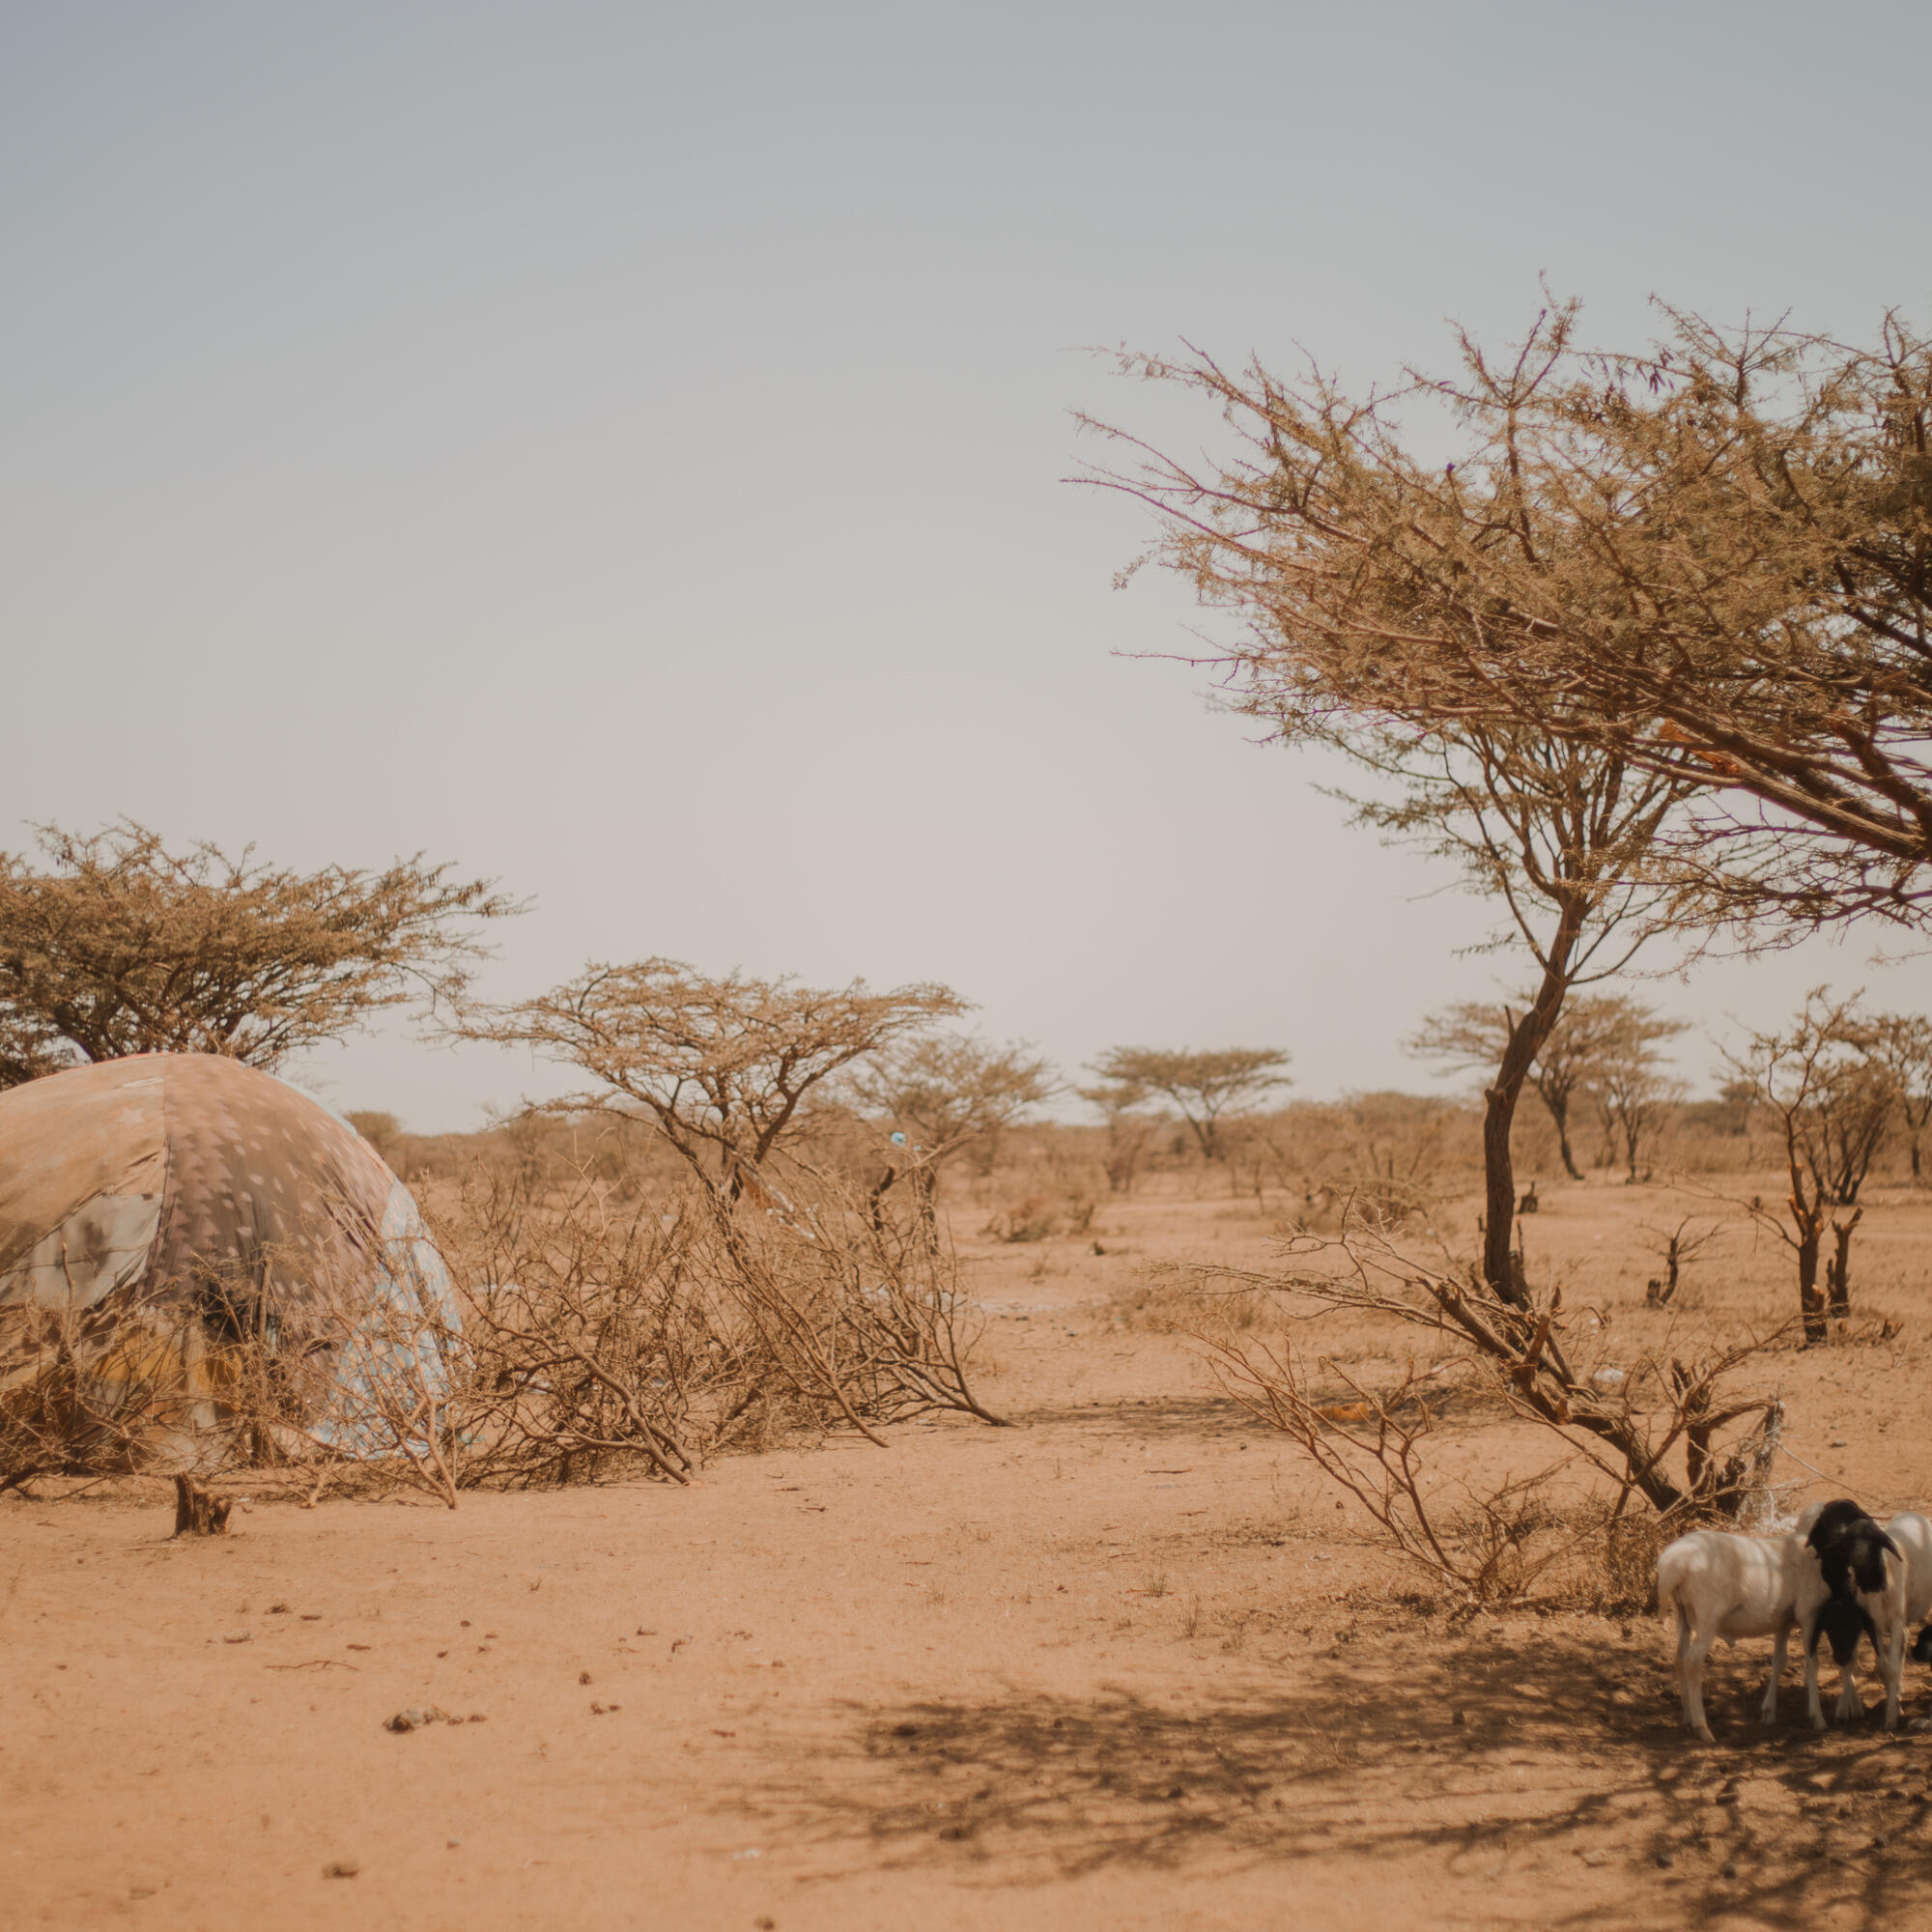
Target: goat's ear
(1892,1545)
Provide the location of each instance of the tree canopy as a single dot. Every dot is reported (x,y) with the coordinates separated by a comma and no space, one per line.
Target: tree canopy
(1710,557)
(1203,1088)
(721,1066)
(114,945)
(944,1091)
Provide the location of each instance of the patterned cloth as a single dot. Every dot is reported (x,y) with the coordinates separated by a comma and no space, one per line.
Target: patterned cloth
(234,1222)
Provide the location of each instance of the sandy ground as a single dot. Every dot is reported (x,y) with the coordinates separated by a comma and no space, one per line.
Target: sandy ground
(1120,1666)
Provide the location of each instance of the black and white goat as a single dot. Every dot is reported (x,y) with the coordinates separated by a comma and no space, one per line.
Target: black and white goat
(1720,1584)
(1866,1576)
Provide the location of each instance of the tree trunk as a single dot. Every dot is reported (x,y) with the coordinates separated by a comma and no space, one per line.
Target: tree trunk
(1569,1166)
(1525,1042)
(1810,1303)
(925,1191)
(1839,1271)
(196,1511)
(1914,1160)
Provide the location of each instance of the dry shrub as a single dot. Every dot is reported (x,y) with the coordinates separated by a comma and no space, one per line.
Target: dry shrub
(587,1335)
(1667,1433)
(1393,1154)
(1484,1546)
(1627,1554)
(84,1392)
(202,1372)
(1162,1299)
(600,1339)
(1031,1218)
(587,1346)
(659,1338)
(1063,1195)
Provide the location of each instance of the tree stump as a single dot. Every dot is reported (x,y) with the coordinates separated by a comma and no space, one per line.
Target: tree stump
(197,1513)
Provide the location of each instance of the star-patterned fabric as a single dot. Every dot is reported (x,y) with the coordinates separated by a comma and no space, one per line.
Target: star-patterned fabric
(214,1209)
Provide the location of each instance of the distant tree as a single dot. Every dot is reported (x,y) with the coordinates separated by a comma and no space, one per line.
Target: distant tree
(1475,1034)
(381,1130)
(722,1067)
(1388,1152)
(1831,1095)
(1205,1088)
(1903,1041)
(115,946)
(1129,1134)
(1627,1079)
(940,1094)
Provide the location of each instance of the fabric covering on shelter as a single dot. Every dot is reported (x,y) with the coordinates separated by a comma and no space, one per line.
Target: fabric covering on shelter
(187,1244)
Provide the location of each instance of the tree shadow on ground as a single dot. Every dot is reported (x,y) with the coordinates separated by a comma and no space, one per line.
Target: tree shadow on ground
(1557,1756)
(1212,1417)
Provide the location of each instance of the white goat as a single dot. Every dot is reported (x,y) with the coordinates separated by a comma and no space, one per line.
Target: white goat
(1720,1584)
(1913,1534)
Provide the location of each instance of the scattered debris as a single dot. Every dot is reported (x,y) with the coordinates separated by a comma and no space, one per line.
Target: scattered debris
(197,1513)
(416,1720)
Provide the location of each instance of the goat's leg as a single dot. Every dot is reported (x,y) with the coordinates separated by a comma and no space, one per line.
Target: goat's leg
(1693,1693)
(1681,1667)
(1812,1708)
(1768,1711)
(1850,1704)
(1895,1670)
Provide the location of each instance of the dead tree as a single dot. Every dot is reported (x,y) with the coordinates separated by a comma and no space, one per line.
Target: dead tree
(1678,1247)
(197,1513)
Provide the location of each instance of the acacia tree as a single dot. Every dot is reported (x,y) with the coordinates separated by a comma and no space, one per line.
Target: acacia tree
(1830,1096)
(1310,518)
(1711,557)
(1205,1088)
(1128,1130)
(722,1067)
(940,1094)
(118,946)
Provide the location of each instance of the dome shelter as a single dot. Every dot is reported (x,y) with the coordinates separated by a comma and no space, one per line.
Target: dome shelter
(191,1248)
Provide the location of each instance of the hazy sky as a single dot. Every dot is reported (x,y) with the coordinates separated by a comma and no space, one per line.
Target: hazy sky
(619,448)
